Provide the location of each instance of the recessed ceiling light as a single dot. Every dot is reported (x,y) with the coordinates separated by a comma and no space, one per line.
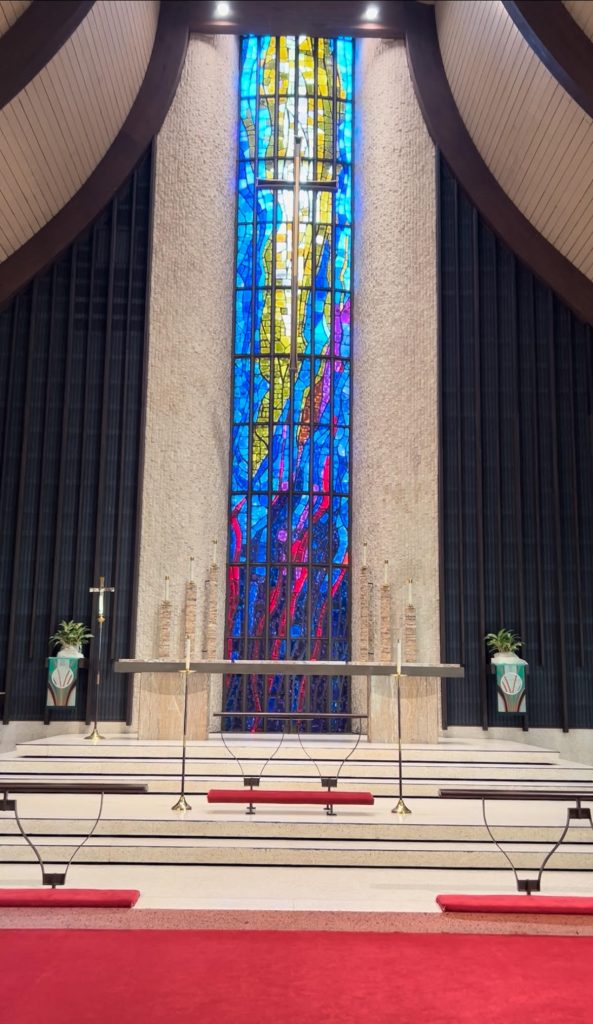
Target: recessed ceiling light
(222,10)
(372,13)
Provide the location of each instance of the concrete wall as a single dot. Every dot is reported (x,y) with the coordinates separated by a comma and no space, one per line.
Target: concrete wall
(395,422)
(185,487)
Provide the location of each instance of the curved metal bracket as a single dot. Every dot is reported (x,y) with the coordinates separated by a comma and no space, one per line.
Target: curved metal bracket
(529,885)
(55,878)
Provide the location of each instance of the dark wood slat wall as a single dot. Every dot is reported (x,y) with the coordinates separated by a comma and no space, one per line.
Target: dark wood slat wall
(517,461)
(71,395)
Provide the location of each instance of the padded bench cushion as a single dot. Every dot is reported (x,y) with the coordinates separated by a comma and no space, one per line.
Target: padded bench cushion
(287,796)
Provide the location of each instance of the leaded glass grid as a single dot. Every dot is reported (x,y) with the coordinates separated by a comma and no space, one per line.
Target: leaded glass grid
(288,586)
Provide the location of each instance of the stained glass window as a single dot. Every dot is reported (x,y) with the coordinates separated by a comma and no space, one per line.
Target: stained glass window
(288,574)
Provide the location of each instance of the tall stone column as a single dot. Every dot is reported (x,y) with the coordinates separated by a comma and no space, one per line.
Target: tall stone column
(395,393)
(186,458)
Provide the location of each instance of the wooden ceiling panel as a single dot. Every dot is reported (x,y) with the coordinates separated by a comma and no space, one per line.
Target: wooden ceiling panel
(535,139)
(582,12)
(55,132)
(10,11)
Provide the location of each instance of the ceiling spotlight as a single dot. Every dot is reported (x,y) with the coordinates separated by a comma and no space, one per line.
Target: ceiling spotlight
(372,13)
(222,10)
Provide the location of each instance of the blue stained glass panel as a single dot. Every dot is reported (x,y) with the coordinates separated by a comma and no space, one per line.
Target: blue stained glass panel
(343,258)
(341,461)
(344,197)
(259,528)
(320,539)
(341,391)
(235,623)
(243,307)
(299,600)
(238,529)
(319,599)
(249,57)
(241,385)
(245,194)
(240,458)
(341,531)
(340,604)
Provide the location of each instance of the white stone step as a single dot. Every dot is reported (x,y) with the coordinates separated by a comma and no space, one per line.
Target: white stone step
(200,785)
(250,853)
(253,828)
(439,834)
(258,748)
(292,768)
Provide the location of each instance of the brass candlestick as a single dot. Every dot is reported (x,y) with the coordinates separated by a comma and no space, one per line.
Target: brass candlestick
(181,804)
(400,807)
(101,590)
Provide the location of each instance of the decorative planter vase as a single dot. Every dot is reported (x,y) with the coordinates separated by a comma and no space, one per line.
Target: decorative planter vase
(61,681)
(510,683)
(70,651)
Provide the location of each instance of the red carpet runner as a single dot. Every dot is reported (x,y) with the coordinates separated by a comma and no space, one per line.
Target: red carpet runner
(201,977)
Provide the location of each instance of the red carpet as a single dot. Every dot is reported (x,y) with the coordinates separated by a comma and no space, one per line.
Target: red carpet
(68,897)
(516,904)
(215,977)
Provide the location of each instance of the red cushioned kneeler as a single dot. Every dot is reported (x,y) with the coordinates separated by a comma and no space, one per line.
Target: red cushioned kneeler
(287,796)
(516,904)
(68,897)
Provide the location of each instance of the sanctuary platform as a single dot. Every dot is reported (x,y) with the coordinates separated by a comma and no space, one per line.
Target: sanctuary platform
(438,833)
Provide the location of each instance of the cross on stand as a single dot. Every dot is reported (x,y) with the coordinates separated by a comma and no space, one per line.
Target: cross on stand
(101,590)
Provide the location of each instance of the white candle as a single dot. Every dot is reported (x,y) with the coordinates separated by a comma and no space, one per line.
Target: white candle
(214,546)
(166,588)
(364,555)
(409,591)
(385,568)
(187,652)
(399,657)
(191,570)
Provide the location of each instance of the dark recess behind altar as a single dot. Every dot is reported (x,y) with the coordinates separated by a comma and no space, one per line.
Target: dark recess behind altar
(516,480)
(71,395)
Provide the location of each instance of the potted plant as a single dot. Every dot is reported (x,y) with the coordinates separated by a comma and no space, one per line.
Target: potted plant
(510,670)
(69,637)
(503,646)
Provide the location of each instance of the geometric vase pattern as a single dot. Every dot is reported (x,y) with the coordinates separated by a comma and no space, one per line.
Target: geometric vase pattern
(61,682)
(510,687)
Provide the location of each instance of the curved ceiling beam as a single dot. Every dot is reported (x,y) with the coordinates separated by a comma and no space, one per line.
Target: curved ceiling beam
(298,17)
(34,40)
(449,133)
(560,44)
(141,125)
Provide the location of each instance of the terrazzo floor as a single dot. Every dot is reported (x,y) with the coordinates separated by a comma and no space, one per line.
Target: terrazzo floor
(373,899)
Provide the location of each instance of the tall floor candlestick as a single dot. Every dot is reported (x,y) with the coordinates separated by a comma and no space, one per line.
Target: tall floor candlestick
(400,807)
(181,804)
(101,590)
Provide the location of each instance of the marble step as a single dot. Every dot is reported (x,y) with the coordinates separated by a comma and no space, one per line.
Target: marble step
(201,784)
(260,749)
(291,854)
(295,768)
(252,828)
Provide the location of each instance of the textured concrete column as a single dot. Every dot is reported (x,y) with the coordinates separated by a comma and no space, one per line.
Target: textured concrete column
(395,399)
(185,485)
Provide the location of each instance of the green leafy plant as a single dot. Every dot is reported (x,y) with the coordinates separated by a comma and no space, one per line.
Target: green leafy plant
(503,642)
(70,634)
